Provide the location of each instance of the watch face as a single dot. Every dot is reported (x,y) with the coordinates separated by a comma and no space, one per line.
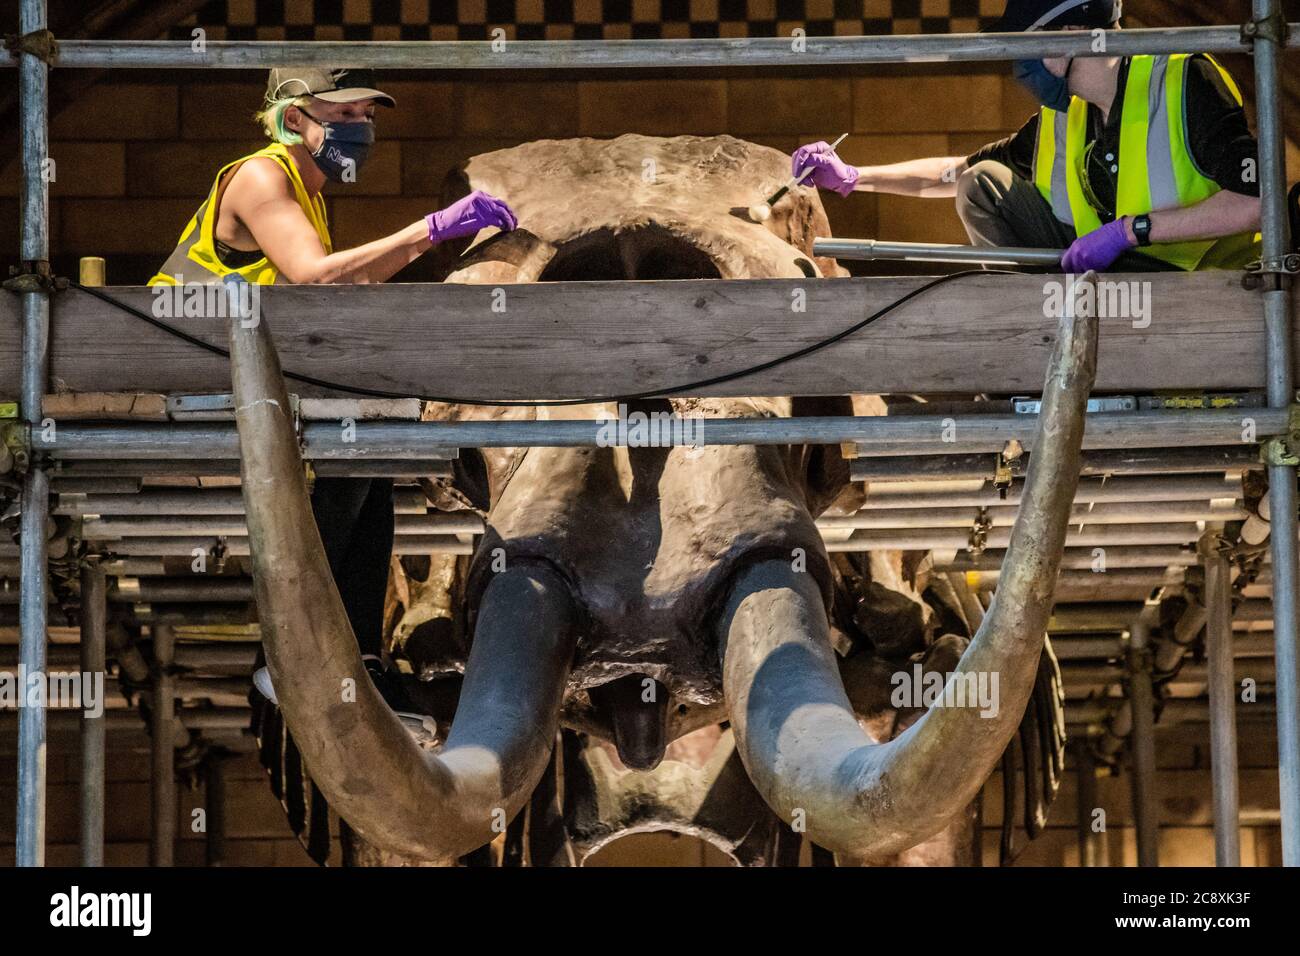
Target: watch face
(1142,229)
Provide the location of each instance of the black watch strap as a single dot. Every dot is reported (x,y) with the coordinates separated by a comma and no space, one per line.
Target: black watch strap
(1142,229)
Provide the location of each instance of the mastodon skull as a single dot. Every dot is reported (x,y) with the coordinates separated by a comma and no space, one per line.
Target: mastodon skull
(698,574)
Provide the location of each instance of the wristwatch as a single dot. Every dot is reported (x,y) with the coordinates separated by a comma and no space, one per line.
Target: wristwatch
(1142,229)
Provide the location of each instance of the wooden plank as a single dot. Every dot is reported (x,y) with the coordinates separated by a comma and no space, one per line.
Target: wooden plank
(105,406)
(603,339)
(364,409)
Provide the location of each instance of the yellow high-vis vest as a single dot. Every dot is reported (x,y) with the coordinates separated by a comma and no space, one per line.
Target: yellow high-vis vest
(195,257)
(1156,167)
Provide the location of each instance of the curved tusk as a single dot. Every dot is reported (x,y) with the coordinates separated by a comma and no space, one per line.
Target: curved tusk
(795,728)
(398,797)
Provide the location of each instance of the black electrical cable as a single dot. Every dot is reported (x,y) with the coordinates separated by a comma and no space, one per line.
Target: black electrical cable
(635,396)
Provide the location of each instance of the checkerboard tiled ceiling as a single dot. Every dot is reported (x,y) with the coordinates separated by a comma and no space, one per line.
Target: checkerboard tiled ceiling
(580,19)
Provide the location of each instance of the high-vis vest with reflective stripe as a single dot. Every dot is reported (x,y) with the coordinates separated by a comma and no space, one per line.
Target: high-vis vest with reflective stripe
(1156,167)
(195,257)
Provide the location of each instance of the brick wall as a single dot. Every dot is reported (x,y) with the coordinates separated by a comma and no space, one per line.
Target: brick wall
(581,19)
(134,157)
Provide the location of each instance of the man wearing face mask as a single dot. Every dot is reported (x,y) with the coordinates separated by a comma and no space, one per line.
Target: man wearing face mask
(1138,163)
(264,219)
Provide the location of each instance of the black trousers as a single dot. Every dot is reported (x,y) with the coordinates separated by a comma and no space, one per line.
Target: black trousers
(355,519)
(1000,208)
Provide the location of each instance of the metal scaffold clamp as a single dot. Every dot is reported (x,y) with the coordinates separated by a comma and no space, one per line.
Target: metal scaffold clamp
(39,43)
(1273,28)
(1002,470)
(979,534)
(1214,544)
(15,447)
(1138,660)
(1278,268)
(38,280)
(1284,449)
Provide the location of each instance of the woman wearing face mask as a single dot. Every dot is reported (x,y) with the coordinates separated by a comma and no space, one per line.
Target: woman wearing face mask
(1141,163)
(264,219)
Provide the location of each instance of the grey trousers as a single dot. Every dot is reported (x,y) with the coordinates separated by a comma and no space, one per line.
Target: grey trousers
(999,208)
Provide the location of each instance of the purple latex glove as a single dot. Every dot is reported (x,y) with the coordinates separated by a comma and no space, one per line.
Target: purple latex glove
(465,217)
(1099,249)
(828,170)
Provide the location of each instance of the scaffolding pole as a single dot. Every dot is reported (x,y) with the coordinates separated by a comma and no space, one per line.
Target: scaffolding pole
(162,735)
(214,802)
(33,93)
(1142,741)
(1092,841)
(704,52)
(1270,30)
(873,435)
(1223,700)
(94,630)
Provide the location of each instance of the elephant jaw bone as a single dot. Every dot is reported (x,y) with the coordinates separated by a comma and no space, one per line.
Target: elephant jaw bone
(795,728)
(699,790)
(396,795)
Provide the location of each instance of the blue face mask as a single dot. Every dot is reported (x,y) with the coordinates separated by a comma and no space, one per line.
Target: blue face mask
(344,150)
(1050,90)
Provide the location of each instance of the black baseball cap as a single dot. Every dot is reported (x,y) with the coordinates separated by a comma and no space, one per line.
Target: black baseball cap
(1022,16)
(332,86)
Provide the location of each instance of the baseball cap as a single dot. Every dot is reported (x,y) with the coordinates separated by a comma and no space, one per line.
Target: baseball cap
(332,86)
(1022,16)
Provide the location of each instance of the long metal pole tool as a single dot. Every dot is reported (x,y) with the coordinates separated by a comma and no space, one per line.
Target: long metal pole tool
(869,250)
